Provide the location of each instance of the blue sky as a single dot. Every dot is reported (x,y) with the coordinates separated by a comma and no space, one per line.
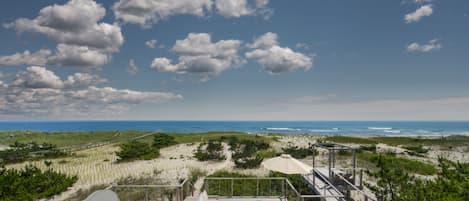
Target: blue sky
(235,60)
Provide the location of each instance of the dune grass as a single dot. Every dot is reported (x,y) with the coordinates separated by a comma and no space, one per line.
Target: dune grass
(449,141)
(62,139)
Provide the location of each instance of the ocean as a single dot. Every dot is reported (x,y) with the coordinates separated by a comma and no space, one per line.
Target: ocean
(388,128)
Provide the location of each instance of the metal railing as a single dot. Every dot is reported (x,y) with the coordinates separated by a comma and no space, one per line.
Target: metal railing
(251,187)
(327,193)
(154,192)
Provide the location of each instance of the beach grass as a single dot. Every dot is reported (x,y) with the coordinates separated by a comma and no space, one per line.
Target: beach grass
(449,141)
(63,139)
(184,138)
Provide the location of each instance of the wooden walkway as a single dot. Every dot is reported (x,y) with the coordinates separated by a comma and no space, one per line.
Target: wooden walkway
(319,182)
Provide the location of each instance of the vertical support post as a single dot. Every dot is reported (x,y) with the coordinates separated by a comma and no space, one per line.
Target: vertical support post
(219,189)
(257,187)
(330,163)
(146,194)
(361,179)
(232,181)
(283,188)
(333,158)
(314,156)
(206,185)
(354,162)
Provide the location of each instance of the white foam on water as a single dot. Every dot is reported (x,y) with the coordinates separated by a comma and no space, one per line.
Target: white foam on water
(379,128)
(284,129)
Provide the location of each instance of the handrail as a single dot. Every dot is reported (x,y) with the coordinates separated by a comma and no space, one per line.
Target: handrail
(354,187)
(328,182)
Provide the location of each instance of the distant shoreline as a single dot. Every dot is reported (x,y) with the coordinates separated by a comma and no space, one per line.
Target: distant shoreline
(352,128)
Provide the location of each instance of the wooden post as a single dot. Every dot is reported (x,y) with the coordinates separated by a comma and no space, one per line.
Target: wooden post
(354,165)
(232,187)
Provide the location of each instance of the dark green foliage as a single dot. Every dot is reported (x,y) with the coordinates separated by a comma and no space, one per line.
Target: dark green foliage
(444,142)
(243,187)
(161,140)
(371,148)
(296,180)
(212,150)
(20,152)
(297,152)
(416,150)
(248,162)
(246,152)
(407,165)
(394,184)
(135,150)
(31,183)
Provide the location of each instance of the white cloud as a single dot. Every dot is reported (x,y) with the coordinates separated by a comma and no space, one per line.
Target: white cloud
(238,8)
(148,12)
(275,59)
(37,77)
(80,56)
(26,58)
(64,55)
(151,43)
(38,91)
(199,55)
(79,80)
(83,39)
(432,45)
(132,68)
(423,11)
(267,40)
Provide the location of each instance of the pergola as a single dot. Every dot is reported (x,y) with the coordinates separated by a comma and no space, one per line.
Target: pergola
(332,148)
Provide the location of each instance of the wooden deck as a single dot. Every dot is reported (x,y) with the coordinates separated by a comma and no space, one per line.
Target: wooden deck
(321,186)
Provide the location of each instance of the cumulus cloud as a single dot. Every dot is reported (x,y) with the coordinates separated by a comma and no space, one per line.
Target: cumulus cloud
(64,55)
(26,58)
(149,12)
(275,59)
(38,91)
(199,55)
(423,11)
(82,39)
(132,68)
(151,43)
(432,45)
(238,8)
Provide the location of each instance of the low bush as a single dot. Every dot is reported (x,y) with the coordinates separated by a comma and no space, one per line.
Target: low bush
(371,148)
(161,140)
(212,150)
(417,149)
(20,152)
(246,152)
(31,183)
(248,162)
(393,183)
(299,152)
(135,150)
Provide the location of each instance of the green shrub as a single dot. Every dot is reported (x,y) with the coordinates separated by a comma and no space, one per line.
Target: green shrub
(245,152)
(393,183)
(135,150)
(407,165)
(248,162)
(161,140)
(417,149)
(31,183)
(297,152)
(20,152)
(213,150)
(371,148)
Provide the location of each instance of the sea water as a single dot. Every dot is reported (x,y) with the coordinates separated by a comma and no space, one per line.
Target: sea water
(389,128)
